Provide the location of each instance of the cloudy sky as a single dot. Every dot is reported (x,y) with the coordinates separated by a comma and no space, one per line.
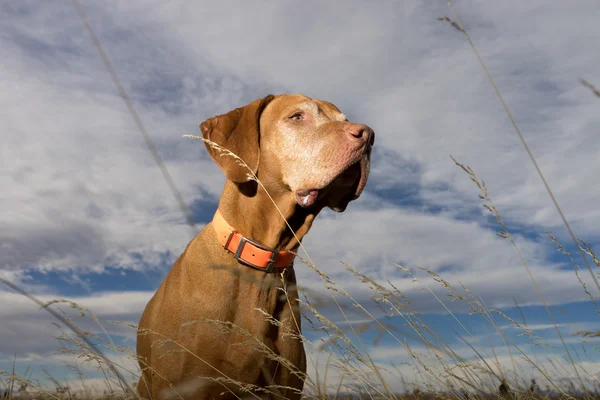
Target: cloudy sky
(87,215)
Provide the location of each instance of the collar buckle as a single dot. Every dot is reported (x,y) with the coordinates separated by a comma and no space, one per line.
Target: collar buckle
(238,253)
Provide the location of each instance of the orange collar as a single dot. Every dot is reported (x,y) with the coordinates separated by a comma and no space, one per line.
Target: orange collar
(247,251)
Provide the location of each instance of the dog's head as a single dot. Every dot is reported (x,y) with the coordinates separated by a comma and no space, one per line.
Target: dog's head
(297,146)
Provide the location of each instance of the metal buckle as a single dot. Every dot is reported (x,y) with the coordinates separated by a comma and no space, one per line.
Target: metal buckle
(240,247)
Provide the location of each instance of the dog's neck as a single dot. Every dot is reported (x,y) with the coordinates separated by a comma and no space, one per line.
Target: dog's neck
(248,209)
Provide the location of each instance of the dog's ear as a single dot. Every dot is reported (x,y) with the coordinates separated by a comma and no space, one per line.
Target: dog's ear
(238,131)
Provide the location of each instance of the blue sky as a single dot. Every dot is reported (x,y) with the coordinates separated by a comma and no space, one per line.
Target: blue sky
(88,216)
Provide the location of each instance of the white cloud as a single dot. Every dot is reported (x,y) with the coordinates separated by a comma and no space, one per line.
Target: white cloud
(91,187)
(28,329)
(372,239)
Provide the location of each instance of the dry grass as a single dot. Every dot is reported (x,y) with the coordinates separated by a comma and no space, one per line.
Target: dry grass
(442,372)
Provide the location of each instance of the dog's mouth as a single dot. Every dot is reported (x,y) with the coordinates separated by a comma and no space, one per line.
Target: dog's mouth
(345,187)
(307,197)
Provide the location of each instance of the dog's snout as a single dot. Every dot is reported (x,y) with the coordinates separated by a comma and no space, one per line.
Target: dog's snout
(363,132)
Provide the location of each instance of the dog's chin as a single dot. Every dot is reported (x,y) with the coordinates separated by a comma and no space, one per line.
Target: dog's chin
(345,187)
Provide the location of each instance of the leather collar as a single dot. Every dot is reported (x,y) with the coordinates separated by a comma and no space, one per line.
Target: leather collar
(248,252)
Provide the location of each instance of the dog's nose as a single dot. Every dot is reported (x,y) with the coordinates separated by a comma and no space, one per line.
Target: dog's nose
(361,131)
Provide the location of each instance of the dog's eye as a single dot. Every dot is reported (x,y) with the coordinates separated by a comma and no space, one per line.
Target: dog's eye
(297,117)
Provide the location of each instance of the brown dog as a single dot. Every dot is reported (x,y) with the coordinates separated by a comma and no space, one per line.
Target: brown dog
(202,335)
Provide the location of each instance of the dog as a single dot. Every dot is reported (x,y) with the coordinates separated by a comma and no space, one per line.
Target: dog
(225,321)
